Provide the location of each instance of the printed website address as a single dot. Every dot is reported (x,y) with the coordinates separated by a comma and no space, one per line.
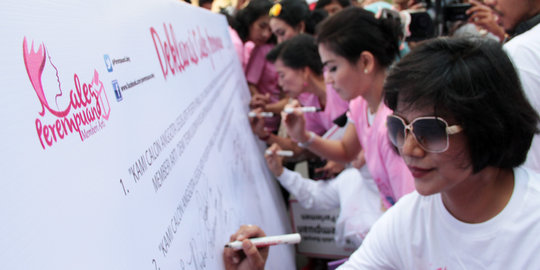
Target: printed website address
(136,82)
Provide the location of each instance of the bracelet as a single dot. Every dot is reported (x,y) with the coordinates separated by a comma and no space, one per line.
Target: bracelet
(307,143)
(265,138)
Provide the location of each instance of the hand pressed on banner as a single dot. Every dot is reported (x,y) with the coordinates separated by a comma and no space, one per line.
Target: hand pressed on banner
(295,122)
(249,257)
(274,161)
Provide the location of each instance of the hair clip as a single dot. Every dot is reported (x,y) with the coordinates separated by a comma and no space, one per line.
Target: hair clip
(275,10)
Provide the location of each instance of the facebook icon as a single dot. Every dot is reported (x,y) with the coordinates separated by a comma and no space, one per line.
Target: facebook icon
(117,91)
(108,62)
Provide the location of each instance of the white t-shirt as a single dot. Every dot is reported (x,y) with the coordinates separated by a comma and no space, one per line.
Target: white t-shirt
(353,190)
(419,233)
(524,50)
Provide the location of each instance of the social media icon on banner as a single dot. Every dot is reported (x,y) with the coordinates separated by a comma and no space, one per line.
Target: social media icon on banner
(117,91)
(108,62)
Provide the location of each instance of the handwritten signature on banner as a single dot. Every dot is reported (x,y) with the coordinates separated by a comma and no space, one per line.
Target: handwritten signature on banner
(176,56)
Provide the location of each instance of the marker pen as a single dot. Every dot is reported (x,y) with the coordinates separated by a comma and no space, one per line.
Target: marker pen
(293,238)
(283,153)
(302,109)
(262,114)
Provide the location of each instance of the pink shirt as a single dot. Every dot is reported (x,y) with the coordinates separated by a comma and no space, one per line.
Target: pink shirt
(320,122)
(261,73)
(387,168)
(248,47)
(238,46)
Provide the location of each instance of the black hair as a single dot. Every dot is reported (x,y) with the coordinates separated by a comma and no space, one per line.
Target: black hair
(293,12)
(297,53)
(322,3)
(315,17)
(354,30)
(245,17)
(473,82)
(202,2)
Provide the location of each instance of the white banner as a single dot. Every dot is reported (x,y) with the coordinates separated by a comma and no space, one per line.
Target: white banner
(125,140)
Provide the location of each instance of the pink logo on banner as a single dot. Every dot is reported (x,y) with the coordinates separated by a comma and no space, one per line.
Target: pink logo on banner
(85,110)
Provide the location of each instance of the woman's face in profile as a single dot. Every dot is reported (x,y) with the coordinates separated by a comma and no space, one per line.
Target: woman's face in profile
(434,172)
(282,30)
(289,79)
(346,78)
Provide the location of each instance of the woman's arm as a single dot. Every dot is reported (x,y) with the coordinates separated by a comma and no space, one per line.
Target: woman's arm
(249,257)
(253,90)
(344,150)
(310,193)
(257,126)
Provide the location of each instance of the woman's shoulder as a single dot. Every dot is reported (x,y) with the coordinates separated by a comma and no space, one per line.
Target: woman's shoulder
(528,178)
(525,200)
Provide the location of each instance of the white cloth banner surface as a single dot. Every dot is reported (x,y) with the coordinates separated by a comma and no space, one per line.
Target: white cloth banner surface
(125,140)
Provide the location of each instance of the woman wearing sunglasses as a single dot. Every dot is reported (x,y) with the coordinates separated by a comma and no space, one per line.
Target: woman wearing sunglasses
(463,126)
(356,50)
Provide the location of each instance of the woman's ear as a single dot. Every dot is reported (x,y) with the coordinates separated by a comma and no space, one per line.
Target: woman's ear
(366,62)
(306,71)
(301,27)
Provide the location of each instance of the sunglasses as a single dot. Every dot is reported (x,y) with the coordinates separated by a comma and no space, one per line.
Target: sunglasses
(430,132)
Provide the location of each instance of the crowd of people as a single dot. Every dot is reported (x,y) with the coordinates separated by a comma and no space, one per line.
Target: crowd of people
(438,164)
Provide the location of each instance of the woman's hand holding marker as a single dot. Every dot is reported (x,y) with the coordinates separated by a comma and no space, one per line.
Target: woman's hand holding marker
(274,160)
(302,109)
(282,153)
(261,114)
(293,238)
(249,257)
(295,122)
(257,124)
